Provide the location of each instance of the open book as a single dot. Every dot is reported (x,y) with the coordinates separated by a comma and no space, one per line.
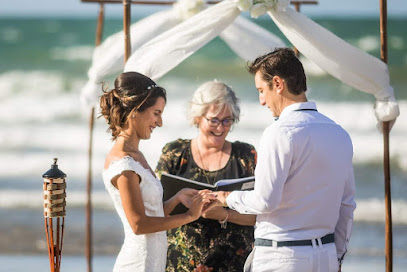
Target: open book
(172,184)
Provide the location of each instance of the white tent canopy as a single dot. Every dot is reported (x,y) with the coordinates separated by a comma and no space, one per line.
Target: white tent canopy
(332,54)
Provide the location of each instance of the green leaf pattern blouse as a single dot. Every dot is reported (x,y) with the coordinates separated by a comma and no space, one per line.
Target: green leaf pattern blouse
(203,245)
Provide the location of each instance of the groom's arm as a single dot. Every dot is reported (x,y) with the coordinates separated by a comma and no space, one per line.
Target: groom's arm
(272,169)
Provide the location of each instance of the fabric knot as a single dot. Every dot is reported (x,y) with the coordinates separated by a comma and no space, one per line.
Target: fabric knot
(185,9)
(260,7)
(244,5)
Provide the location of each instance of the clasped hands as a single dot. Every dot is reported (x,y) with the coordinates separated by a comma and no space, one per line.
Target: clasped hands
(202,201)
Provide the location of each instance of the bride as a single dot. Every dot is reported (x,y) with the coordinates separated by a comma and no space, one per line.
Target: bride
(133,110)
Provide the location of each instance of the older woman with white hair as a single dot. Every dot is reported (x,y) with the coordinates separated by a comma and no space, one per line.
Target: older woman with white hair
(222,239)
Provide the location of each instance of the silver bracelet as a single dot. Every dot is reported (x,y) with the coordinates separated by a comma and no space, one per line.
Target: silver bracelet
(224,223)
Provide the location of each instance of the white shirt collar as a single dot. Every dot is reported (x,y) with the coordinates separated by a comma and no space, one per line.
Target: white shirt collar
(298,106)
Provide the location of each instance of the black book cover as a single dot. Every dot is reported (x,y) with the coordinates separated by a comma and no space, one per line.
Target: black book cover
(172,184)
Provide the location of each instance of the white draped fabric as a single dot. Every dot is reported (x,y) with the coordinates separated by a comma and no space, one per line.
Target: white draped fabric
(245,38)
(248,40)
(340,59)
(108,58)
(157,57)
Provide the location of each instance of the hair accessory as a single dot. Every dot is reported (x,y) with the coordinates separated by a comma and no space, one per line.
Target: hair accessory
(151,86)
(148,95)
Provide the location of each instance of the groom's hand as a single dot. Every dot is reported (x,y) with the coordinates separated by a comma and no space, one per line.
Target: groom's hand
(219,201)
(221,197)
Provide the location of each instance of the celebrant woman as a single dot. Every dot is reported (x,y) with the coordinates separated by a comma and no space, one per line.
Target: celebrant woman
(133,110)
(222,239)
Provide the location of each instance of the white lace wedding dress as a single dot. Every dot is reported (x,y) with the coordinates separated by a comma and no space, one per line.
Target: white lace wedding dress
(139,252)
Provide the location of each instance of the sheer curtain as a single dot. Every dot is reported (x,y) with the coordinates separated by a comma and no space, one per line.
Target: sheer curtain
(161,42)
(332,54)
(244,37)
(108,57)
(340,59)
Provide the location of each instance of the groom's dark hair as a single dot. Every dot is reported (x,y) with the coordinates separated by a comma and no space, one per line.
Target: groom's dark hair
(281,62)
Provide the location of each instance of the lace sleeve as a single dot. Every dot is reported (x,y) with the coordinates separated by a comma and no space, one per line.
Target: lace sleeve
(126,163)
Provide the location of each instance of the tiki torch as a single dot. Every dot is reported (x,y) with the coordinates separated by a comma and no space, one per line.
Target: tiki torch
(54,213)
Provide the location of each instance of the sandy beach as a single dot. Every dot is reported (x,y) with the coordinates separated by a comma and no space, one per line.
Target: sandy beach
(104,263)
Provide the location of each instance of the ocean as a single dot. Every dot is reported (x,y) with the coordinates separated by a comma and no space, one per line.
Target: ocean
(43,66)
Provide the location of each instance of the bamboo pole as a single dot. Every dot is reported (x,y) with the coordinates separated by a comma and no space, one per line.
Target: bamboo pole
(99,27)
(163,3)
(62,237)
(48,243)
(88,239)
(141,2)
(297,8)
(297,5)
(304,2)
(58,254)
(51,235)
(126,29)
(386,148)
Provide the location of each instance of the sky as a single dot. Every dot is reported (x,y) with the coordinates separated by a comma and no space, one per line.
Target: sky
(73,8)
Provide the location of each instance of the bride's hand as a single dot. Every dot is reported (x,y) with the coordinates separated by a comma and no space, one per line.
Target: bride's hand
(185,196)
(201,199)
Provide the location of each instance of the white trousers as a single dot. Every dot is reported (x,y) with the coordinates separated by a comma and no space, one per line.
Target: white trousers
(314,258)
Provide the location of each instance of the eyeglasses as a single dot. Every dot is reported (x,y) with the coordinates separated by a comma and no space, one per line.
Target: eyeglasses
(214,122)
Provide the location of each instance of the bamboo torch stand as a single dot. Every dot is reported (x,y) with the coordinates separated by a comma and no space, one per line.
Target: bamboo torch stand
(54,213)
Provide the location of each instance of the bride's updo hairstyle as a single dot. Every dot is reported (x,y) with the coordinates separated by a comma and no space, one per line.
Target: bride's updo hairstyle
(133,92)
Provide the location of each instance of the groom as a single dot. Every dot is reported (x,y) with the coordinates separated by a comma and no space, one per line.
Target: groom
(304,191)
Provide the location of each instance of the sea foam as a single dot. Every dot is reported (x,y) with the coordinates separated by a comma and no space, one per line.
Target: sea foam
(73,53)
(368,210)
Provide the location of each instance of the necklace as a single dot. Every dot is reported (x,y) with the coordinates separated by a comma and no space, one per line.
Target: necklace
(206,175)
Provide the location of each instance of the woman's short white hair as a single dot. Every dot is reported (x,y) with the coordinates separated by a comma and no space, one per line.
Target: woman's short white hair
(213,93)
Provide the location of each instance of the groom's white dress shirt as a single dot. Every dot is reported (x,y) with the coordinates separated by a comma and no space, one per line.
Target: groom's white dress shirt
(305,184)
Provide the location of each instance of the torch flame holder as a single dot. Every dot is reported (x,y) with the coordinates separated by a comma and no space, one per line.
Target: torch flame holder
(54,219)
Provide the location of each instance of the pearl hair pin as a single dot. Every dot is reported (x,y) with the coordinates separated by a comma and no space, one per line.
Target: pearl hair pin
(148,88)
(151,86)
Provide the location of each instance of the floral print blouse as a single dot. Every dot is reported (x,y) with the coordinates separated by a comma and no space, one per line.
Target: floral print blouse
(203,245)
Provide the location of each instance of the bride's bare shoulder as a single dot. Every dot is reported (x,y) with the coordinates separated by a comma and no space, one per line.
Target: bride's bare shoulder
(114,155)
